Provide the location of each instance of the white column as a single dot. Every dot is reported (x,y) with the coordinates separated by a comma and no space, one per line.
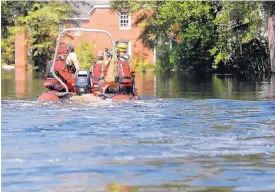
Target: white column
(155,55)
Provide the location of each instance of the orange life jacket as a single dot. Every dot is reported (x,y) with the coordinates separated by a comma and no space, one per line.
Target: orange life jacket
(96,73)
(124,70)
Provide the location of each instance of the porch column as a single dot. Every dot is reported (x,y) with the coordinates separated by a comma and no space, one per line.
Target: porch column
(155,55)
(271,41)
(21,51)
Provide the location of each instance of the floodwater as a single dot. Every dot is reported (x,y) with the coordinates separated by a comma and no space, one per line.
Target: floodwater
(215,133)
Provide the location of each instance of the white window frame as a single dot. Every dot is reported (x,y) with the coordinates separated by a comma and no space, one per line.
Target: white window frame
(122,18)
(155,55)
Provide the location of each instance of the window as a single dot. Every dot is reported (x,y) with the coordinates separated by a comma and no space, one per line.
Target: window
(124,20)
(77,24)
(60,28)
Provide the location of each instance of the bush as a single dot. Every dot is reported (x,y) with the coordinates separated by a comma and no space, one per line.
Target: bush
(252,59)
(167,58)
(85,54)
(8,49)
(144,66)
(138,63)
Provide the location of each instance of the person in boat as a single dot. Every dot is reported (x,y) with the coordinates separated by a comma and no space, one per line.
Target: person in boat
(122,52)
(48,72)
(72,60)
(123,56)
(107,59)
(54,85)
(100,60)
(106,62)
(103,59)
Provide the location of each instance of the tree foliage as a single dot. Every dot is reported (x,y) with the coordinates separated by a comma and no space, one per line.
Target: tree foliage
(238,23)
(7,50)
(40,19)
(42,24)
(10,11)
(186,25)
(268,7)
(85,54)
(203,34)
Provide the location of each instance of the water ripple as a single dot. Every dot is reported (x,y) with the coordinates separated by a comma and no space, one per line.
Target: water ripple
(152,144)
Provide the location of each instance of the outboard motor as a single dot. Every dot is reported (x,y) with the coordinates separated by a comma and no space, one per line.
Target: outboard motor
(82,82)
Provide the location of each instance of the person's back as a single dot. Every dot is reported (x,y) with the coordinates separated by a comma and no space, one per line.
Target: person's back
(72,58)
(125,78)
(97,70)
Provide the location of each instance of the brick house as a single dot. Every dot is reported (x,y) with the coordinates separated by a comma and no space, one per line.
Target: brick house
(119,25)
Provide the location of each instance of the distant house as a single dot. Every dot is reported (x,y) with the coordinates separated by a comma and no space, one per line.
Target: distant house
(98,15)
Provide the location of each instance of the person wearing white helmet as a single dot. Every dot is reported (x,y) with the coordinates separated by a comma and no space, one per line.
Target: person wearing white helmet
(72,58)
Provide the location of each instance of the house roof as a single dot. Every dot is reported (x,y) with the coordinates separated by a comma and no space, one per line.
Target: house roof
(98,7)
(83,9)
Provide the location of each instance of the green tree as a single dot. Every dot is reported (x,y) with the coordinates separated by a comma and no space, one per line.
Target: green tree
(188,26)
(10,11)
(85,54)
(204,33)
(42,24)
(40,19)
(240,25)
(269,7)
(7,50)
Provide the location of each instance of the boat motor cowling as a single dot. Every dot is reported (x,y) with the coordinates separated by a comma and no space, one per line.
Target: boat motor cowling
(82,82)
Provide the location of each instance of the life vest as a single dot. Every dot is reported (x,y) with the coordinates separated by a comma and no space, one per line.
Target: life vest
(64,74)
(96,73)
(60,70)
(105,68)
(124,70)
